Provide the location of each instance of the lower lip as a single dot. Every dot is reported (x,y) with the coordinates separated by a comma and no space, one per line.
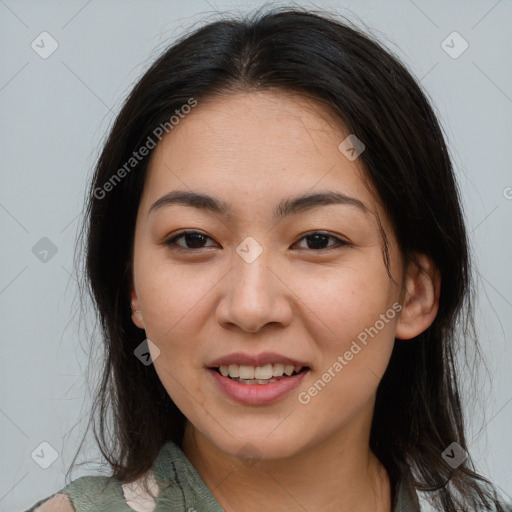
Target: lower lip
(257,394)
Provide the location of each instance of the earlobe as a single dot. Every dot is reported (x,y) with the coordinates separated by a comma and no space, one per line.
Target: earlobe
(420,298)
(137,318)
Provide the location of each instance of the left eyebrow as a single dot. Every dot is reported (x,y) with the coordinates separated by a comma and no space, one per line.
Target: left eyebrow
(291,206)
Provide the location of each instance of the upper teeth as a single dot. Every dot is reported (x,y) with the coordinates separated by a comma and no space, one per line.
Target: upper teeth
(258,372)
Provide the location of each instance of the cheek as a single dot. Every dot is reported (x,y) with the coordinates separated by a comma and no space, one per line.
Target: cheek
(173,322)
(352,314)
(174,304)
(174,298)
(346,379)
(342,302)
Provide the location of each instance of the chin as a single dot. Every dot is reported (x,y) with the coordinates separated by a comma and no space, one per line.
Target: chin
(256,443)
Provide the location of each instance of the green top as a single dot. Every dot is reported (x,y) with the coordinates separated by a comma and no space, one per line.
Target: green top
(175,483)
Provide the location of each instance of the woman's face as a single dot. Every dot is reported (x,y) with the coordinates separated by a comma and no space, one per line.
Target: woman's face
(271,280)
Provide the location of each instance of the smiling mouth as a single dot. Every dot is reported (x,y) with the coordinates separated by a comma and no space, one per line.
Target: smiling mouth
(259,374)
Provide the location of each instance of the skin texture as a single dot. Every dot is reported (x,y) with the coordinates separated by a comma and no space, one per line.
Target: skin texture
(254,150)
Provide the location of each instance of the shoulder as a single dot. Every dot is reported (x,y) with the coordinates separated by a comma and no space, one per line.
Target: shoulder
(172,481)
(426,506)
(57,502)
(93,493)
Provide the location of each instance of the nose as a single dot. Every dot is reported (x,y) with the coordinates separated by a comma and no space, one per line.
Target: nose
(255,295)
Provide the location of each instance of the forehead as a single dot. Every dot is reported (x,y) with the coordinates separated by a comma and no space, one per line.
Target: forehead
(263,145)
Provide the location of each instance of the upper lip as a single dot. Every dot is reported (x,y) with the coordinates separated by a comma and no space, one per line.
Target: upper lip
(254,360)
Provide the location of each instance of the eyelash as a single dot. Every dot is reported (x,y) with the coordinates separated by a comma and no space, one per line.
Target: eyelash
(171,242)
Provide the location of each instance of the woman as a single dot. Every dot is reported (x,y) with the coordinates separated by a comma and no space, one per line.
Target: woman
(277,253)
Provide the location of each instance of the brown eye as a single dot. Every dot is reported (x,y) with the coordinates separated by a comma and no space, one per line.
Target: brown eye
(193,240)
(318,241)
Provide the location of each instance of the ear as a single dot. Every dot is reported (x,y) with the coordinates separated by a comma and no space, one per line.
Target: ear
(136,312)
(420,298)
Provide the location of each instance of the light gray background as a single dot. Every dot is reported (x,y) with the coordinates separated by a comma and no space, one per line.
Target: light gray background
(54,114)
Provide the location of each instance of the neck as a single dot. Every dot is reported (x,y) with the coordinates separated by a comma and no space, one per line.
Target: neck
(341,474)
